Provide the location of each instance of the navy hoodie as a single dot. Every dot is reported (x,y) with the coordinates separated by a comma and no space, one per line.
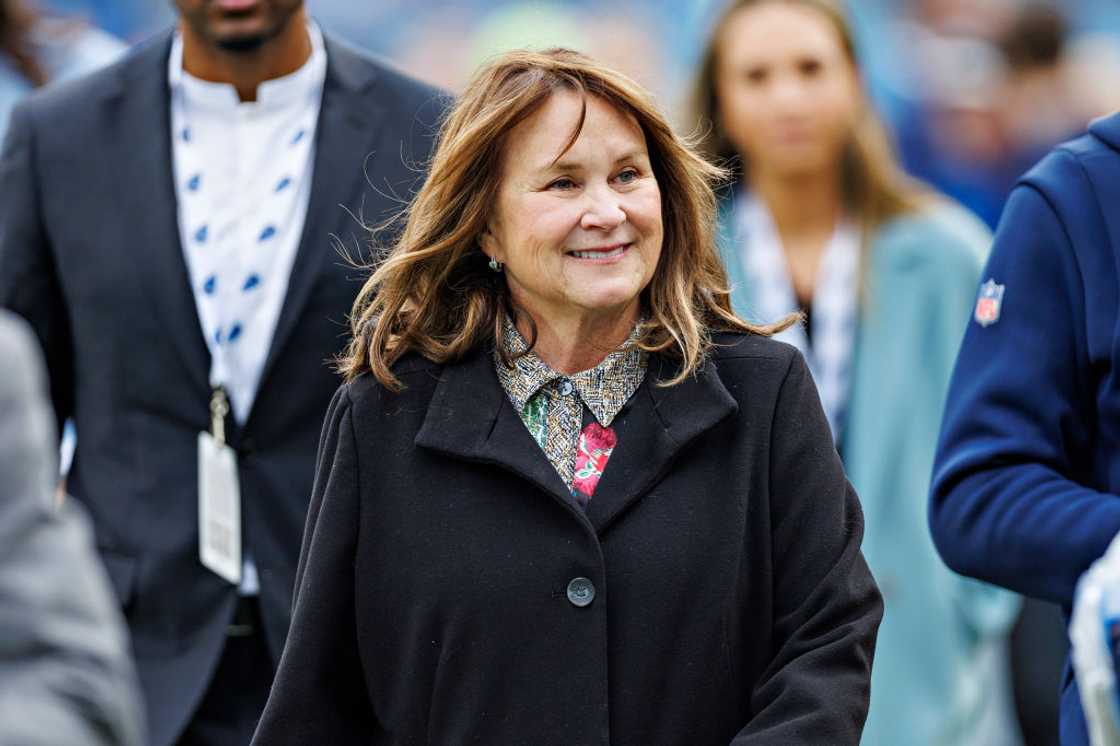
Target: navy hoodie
(1026,483)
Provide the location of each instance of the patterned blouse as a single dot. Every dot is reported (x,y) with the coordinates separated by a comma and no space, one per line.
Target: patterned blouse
(570,416)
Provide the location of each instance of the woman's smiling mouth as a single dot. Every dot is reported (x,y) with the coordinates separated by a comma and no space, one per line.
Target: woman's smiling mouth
(602,253)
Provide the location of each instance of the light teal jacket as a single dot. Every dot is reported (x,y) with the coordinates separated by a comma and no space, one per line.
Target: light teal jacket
(940,674)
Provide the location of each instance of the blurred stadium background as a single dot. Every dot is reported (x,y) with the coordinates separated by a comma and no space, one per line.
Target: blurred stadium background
(974,92)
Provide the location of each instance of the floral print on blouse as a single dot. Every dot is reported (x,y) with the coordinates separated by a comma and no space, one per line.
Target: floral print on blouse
(552,406)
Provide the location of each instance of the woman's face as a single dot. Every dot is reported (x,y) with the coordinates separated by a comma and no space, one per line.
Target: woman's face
(579,234)
(788,94)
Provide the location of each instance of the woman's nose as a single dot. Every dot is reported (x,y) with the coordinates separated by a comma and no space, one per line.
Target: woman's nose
(603,211)
(788,94)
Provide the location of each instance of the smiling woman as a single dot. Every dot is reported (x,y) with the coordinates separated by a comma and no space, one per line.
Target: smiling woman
(566,496)
(544,156)
(577,226)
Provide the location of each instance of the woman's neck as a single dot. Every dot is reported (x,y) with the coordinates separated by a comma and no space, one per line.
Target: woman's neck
(571,343)
(805,208)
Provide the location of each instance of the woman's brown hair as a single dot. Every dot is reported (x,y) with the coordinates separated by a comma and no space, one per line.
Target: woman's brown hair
(16,22)
(874,187)
(434,294)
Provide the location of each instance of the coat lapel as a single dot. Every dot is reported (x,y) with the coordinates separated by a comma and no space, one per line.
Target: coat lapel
(350,119)
(656,425)
(141,122)
(470,417)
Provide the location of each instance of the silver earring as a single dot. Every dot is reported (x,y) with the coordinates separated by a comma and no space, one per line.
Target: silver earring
(495,265)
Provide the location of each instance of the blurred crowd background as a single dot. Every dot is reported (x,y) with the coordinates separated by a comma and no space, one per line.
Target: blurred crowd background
(973,94)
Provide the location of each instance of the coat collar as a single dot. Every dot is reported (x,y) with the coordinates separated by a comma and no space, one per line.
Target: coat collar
(350,120)
(471,418)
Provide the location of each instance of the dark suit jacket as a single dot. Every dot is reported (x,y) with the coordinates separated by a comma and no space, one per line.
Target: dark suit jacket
(433,600)
(90,255)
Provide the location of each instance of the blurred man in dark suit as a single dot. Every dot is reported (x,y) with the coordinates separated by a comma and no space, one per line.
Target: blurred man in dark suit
(166,228)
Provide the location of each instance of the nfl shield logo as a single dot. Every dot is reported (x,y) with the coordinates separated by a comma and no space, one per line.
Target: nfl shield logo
(989,302)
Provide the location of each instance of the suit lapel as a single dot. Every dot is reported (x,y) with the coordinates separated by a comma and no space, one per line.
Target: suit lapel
(141,117)
(654,427)
(350,119)
(140,113)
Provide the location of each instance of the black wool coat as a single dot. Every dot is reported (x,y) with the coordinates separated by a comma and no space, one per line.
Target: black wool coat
(450,592)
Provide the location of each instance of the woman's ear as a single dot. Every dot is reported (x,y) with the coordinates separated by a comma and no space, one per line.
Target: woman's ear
(490,246)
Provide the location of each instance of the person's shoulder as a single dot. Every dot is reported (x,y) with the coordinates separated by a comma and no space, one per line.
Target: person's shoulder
(734,345)
(70,48)
(746,353)
(394,86)
(940,235)
(755,368)
(1102,138)
(1073,187)
(56,103)
(1062,171)
(412,109)
(368,396)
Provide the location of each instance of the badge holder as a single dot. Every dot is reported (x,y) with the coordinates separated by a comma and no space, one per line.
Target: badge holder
(219,496)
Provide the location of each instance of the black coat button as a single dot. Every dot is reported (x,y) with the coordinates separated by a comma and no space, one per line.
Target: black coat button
(581,591)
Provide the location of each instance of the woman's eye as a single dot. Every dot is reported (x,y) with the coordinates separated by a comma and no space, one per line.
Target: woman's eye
(755,75)
(810,68)
(564,183)
(628,176)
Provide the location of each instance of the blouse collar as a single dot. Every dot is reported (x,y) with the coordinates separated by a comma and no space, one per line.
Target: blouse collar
(605,389)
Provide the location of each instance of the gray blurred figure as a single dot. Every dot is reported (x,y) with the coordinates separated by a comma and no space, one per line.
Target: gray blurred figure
(65,673)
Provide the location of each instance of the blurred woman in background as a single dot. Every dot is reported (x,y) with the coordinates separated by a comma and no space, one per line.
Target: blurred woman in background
(36,49)
(821,220)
